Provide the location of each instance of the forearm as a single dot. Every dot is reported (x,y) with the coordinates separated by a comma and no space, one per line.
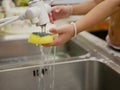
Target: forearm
(97,14)
(85,7)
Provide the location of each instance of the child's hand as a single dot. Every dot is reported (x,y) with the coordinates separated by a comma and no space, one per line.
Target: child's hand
(59,12)
(64,33)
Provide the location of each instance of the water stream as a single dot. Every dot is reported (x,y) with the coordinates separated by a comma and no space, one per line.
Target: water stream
(47,73)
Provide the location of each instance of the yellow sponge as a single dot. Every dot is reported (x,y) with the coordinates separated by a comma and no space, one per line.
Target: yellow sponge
(41,38)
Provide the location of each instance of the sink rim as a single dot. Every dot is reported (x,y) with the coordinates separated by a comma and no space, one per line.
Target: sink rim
(79,59)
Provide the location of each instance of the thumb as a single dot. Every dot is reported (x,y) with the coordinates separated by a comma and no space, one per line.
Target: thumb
(53,30)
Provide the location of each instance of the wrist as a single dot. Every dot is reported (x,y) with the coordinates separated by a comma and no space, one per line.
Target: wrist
(69,9)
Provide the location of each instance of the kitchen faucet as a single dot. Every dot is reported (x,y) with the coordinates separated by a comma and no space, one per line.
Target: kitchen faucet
(37,13)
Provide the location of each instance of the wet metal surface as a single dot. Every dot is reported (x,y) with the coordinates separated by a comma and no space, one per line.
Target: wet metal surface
(84,63)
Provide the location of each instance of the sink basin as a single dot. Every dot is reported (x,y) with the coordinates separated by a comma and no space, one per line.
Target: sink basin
(80,75)
(20,53)
(88,75)
(21,48)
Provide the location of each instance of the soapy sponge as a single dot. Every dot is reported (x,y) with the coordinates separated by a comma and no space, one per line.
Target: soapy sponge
(41,38)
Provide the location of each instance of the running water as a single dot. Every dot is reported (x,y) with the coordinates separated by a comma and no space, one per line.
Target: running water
(47,73)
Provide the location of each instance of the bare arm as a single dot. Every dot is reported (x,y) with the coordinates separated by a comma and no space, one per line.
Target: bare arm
(99,10)
(83,8)
(97,14)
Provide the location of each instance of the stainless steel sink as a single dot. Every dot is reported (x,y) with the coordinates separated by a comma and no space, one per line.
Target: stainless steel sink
(21,48)
(88,75)
(80,65)
(85,75)
(19,53)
